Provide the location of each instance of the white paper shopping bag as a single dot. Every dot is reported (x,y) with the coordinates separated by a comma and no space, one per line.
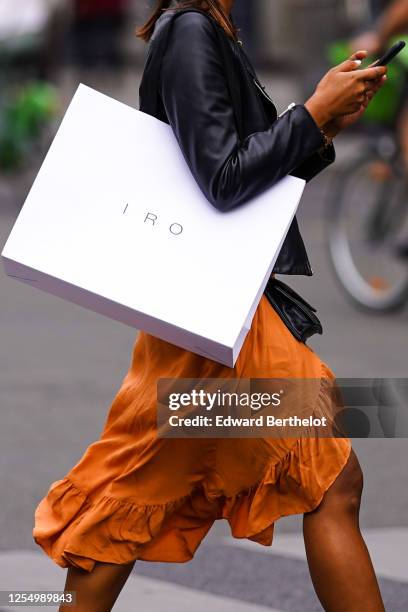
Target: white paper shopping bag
(115,222)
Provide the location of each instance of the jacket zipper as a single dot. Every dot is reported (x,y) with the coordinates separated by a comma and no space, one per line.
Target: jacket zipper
(262,90)
(241,57)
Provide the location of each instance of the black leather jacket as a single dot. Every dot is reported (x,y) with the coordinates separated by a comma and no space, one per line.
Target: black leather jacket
(231,163)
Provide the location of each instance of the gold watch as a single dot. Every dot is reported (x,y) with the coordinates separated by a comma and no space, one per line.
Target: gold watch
(328,140)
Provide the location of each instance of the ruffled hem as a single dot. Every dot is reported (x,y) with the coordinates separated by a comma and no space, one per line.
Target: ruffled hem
(77,529)
(297,483)
(74,530)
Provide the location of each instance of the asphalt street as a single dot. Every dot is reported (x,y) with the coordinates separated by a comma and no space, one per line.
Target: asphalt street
(61,366)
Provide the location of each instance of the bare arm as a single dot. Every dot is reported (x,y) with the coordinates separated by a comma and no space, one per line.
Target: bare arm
(393,21)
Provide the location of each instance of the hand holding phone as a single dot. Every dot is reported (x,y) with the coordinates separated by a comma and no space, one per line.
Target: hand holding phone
(344,91)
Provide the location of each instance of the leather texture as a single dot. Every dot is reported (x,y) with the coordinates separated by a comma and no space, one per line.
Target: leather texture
(297,314)
(233,155)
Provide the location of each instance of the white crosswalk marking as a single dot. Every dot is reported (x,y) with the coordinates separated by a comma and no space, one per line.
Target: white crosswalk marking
(30,570)
(388,548)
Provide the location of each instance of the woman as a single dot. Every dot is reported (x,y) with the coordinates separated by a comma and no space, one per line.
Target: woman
(136,496)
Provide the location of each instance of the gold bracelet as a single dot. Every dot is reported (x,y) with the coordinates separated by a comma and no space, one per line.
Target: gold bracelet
(328,140)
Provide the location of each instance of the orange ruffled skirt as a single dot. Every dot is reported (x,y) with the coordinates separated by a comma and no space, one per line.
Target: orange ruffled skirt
(134,495)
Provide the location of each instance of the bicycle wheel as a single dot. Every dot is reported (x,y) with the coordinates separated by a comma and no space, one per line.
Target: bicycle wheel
(367,219)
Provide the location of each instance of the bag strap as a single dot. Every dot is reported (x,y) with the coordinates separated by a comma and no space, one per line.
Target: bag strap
(150,84)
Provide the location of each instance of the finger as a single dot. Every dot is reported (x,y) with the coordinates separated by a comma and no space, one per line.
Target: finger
(354,108)
(348,65)
(377,83)
(371,93)
(373,85)
(358,55)
(378,87)
(371,74)
(372,90)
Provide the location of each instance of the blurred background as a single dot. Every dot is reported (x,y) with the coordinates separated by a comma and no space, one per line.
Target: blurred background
(62,365)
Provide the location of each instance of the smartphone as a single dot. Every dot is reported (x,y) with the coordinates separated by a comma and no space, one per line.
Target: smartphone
(390,54)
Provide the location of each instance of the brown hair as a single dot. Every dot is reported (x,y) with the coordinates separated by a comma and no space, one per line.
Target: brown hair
(213,7)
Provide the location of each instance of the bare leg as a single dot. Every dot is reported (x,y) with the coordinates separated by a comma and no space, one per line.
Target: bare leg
(339,562)
(98,590)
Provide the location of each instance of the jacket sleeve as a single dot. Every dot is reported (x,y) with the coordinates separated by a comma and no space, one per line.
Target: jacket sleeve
(315,164)
(196,98)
